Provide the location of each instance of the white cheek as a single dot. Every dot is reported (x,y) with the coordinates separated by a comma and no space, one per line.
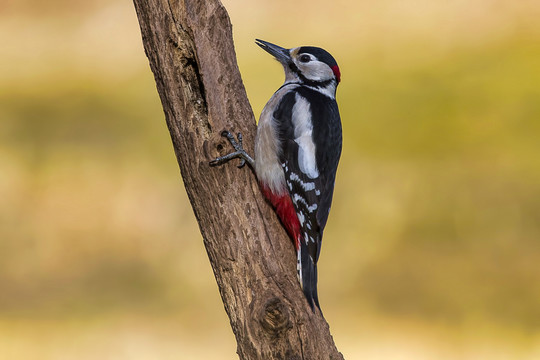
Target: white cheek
(316,71)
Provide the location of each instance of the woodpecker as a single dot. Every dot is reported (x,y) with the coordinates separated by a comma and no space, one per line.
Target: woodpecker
(297,150)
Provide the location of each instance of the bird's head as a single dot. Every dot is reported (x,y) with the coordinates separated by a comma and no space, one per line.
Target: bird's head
(306,64)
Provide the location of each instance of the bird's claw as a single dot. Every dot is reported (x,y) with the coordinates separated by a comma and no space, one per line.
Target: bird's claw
(238,153)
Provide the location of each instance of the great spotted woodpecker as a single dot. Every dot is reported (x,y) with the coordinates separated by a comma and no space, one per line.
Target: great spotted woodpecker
(297,150)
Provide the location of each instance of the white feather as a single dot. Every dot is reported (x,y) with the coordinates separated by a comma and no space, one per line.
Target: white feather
(268,147)
(303,130)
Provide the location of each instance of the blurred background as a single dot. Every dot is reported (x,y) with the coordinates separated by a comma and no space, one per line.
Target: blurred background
(432,250)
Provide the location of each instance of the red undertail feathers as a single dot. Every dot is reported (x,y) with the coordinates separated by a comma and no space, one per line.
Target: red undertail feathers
(284,207)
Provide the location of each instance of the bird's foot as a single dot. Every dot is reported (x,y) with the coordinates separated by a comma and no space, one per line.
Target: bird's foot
(238,153)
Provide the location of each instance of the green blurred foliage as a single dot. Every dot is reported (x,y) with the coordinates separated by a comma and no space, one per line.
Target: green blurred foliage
(432,247)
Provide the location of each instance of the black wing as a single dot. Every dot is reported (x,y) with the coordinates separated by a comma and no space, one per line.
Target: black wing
(327,134)
(311,196)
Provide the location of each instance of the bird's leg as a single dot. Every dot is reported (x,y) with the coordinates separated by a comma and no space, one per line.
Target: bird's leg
(238,153)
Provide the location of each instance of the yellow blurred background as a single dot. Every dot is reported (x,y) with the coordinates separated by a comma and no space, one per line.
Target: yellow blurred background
(432,250)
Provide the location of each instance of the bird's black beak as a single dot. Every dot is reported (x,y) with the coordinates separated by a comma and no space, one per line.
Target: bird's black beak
(281,54)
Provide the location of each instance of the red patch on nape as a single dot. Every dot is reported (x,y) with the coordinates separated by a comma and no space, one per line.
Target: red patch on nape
(284,208)
(337,73)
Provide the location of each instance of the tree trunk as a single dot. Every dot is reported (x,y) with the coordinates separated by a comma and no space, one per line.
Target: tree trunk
(190,49)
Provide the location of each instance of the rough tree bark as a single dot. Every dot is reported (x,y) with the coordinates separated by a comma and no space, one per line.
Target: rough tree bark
(190,49)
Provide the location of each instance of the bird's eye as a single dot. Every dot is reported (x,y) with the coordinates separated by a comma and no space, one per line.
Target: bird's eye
(305,58)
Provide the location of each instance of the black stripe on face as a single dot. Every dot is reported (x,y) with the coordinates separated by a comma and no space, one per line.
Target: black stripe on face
(306,81)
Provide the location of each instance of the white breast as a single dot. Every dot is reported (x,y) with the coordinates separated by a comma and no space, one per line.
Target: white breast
(268,147)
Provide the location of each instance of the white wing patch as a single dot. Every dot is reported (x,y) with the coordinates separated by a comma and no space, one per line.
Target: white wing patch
(303,130)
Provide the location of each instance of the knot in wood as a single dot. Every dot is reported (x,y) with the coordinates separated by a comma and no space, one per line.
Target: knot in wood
(274,317)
